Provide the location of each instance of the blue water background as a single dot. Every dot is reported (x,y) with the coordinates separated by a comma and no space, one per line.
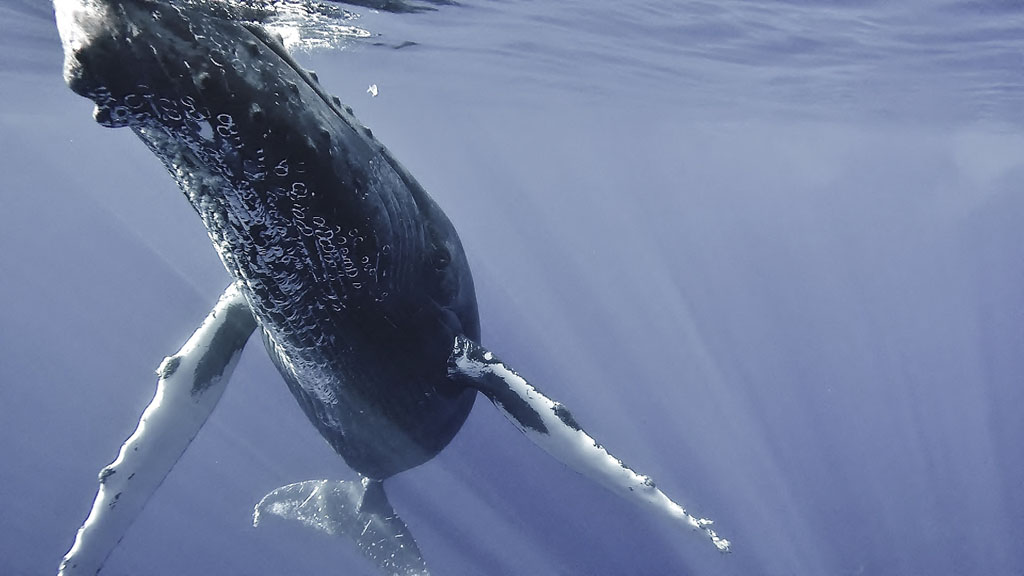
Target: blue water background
(770,253)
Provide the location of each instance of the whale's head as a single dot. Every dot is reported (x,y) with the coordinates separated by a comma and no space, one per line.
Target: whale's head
(123,53)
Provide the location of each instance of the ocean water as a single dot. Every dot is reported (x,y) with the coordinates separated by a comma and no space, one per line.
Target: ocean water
(770,253)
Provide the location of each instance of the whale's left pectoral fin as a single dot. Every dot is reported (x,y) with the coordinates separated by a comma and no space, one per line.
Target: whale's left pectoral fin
(550,425)
(190,385)
(360,511)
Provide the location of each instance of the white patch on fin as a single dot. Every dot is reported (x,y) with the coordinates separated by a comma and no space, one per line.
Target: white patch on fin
(549,425)
(190,385)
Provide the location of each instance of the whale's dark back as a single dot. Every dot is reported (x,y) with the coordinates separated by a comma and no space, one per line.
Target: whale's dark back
(356,276)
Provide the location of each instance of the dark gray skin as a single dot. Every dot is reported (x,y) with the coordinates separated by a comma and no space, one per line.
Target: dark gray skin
(357,279)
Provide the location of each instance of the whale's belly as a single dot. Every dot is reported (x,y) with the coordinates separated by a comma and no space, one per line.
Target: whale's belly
(382,415)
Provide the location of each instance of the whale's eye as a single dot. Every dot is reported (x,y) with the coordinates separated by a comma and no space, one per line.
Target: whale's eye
(440,258)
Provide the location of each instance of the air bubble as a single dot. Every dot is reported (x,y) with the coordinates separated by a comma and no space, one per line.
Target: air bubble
(282,168)
(169,109)
(227,126)
(299,190)
(196,115)
(134,101)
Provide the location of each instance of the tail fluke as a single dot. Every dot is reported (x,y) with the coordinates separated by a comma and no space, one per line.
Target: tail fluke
(360,511)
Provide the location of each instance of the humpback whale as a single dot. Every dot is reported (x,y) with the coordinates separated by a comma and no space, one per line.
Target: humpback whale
(352,275)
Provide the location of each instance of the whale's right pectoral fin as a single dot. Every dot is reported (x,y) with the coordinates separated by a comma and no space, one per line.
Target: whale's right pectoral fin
(360,511)
(550,425)
(190,385)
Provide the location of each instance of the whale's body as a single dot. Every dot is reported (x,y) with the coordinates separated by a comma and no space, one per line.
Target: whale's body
(355,276)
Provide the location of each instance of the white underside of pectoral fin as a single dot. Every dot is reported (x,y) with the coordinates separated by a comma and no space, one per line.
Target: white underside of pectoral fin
(550,425)
(190,384)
